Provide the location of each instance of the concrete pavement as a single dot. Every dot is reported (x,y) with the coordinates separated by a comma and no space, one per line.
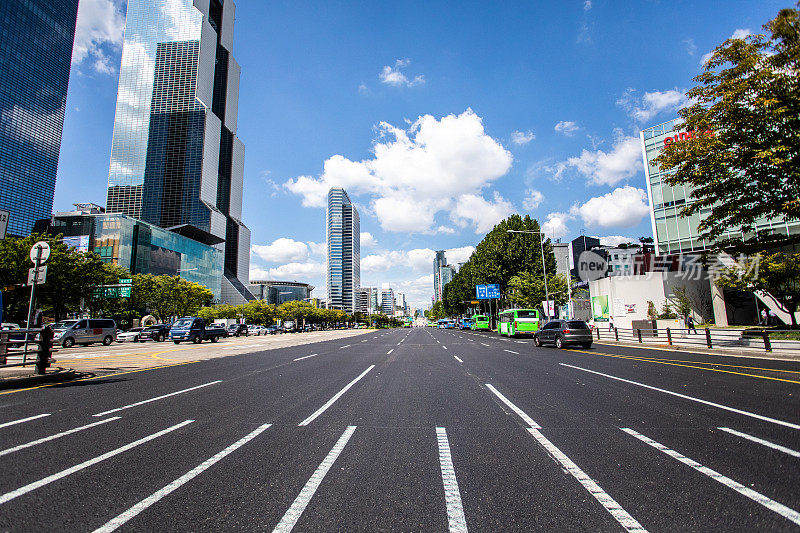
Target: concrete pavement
(410,430)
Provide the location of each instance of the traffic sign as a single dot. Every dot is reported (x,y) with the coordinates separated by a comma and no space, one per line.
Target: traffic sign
(487,292)
(126,280)
(37,277)
(40,251)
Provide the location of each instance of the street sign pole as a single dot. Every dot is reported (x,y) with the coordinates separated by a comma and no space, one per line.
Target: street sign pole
(39,253)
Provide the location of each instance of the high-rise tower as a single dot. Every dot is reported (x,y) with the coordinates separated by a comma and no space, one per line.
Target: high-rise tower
(439,261)
(35,54)
(175,158)
(343,233)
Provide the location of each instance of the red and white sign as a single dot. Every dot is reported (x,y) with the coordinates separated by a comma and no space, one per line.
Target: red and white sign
(686,135)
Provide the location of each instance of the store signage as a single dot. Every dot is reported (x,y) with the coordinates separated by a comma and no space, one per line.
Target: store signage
(686,135)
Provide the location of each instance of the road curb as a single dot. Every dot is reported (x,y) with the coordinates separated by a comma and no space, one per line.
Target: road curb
(774,356)
(53,376)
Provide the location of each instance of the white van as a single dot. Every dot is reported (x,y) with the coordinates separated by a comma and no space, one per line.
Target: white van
(84,331)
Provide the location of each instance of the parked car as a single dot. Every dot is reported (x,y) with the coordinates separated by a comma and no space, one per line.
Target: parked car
(158,332)
(85,331)
(13,338)
(288,326)
(192,328)
(274,329)
(237,330)
(256,330)
(563,333)
(133,335)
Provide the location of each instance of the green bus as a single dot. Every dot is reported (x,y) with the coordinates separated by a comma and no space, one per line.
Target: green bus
(479,322)
(513,322)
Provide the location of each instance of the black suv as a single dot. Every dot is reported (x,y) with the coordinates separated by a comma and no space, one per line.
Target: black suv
(563,333)
(157,332)
(237,330)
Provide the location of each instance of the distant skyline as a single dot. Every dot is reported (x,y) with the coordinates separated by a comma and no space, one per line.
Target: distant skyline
(438,120)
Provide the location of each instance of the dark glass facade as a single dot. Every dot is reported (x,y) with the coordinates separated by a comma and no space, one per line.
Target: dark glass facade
(343,235)
(36,39)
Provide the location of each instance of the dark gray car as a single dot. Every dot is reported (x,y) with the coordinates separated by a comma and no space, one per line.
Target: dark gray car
(564,333)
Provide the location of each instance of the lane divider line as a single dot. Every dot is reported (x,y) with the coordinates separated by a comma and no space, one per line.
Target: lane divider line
(452,496)
(336,396)
(390,351)
(21,420)
(772,505)
(485,344)
(763,442)
(64,473)
(120,519)
(458,359)
(56,436)
(292,514)
(157,398)
(522,414)
(615,509)
(445,347)
(345,346)
(305,357)
(692,398)
(511,351)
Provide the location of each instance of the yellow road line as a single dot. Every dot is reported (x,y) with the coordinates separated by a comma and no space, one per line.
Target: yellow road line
(150,354)
(660,362)
(98,377)
(704,363)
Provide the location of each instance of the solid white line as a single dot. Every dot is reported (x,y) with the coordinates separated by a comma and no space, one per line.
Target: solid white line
(345,346)
(510,351)
(304,357)
(390,351)
(336,396)
(786,512)
(299,505)
(452,496)
(445,347)
(528,420)
(120,519)
(685,397)
(458,359)
(157,398)
(620,515)
(766,443)
(21,420)
(485,344)
(49,479)
(57,435)
(365,340)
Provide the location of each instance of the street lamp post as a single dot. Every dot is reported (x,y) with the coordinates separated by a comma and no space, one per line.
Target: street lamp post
(544,266)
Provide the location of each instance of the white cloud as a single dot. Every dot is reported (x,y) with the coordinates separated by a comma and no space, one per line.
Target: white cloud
(652,103)
(282,250)
(416,173)
(297,271)
(317,248)
(587,5)
(480,213)
(624,207)
(567,127)
(532,200)
(458,255)
(740,33)
(522,137)
(393,75)
(691,48)
(616,240)
(607,168)
(555,226)
(418,259)
(98,30)
(367,240)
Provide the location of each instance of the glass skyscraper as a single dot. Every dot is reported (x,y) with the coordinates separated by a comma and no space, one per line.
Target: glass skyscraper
(35,55)
(343,235)
(176,161)
(439,261)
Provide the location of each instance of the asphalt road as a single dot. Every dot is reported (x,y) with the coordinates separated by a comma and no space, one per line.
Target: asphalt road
(411,430)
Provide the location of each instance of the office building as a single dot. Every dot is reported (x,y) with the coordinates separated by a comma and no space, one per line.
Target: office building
(138,246)
(176,161)
(279,292)
(561,252)
(387,302)
(368,300)
(439,261)
(673,232)
(580,245)
(343,236)
(35,56)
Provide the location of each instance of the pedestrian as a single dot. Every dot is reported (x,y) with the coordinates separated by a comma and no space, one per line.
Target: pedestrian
(690,324)
(773,318)
(610,324)
(764,317)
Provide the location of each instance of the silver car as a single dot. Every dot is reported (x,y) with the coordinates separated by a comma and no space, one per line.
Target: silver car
(84,331)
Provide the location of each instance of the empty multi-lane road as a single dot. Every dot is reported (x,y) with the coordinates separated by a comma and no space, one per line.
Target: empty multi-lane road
(411,430)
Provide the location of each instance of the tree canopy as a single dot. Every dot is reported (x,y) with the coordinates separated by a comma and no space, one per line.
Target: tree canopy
(742,157)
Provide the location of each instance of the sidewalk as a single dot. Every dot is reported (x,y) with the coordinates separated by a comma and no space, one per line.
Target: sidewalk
(661,344)
(25,376)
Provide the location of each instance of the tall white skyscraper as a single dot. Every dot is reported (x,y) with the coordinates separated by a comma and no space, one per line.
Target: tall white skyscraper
(176,160)
(343,235)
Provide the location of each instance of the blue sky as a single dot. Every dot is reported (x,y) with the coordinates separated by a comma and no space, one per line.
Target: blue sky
(439,118)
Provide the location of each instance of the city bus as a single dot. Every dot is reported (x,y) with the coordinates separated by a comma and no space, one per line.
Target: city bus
(513,322)
(446,323)
(479,322)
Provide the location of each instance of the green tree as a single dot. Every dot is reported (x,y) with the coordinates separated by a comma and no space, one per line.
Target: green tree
(744,157)
(682,302)
(527,289)
(776,273)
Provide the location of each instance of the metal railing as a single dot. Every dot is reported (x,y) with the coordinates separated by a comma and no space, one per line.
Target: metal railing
(15,344)
(751,339)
